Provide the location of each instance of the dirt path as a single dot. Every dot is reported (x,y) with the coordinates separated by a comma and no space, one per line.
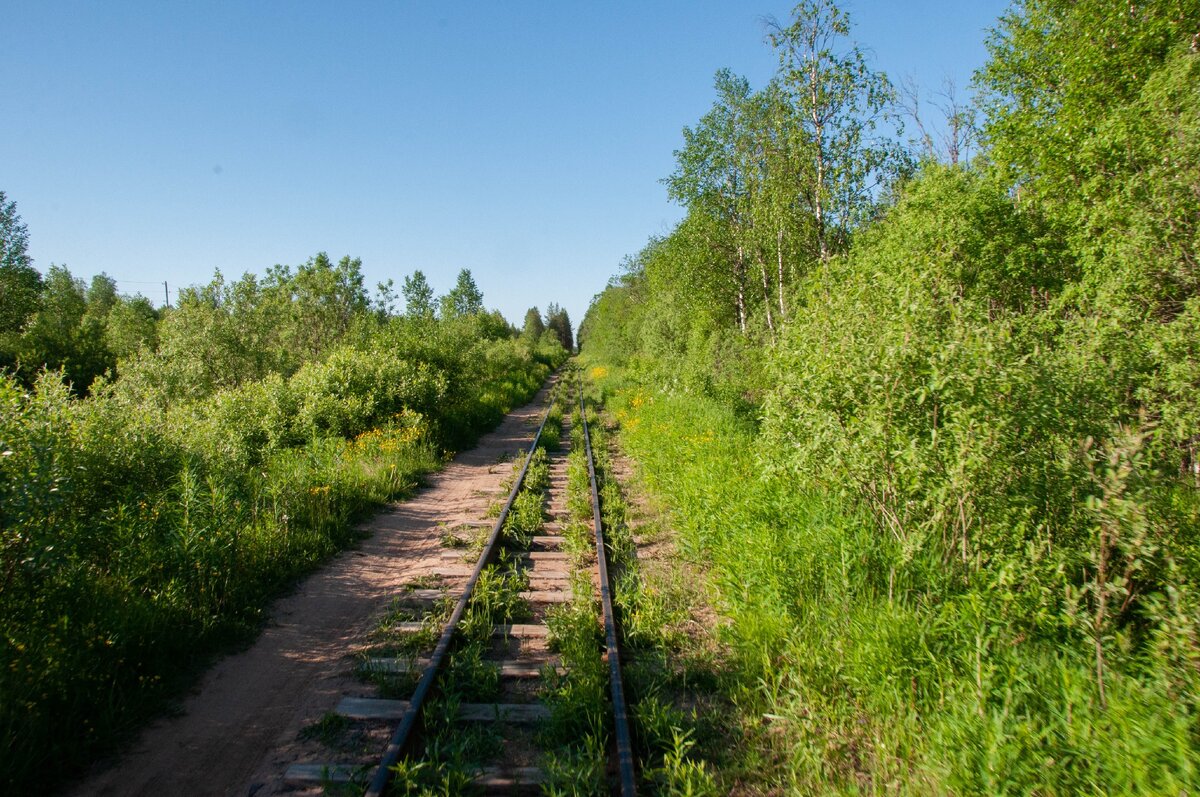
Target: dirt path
(238,731)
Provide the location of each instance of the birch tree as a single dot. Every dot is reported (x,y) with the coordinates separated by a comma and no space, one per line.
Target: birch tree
(712,175)
(839,103)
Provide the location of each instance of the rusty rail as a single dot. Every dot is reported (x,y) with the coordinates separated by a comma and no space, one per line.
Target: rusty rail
(625,765)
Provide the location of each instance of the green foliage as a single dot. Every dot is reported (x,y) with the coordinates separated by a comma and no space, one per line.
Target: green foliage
(524,519)
(558,322)
(223,334)
(835,102)
(418,295)
(604,338)
(680,774)
(849,640)
(352,390)
(950,503)
(533,326)
(1056,70)
(144,528)
(464,299)
(560,402)
(20,284)
(577,698)
(68,331)
(579,770)
(926,403)
(131,326)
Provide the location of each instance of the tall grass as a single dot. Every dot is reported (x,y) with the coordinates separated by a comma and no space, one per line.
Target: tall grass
(861,665)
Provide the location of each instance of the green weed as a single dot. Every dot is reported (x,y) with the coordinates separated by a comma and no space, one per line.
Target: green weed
(328,730)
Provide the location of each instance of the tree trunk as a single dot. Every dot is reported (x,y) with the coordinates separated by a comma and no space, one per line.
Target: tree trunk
(766,286)
(819,143)
(740,276)
(779,263)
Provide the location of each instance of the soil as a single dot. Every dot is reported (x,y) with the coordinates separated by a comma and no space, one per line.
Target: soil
(241,727)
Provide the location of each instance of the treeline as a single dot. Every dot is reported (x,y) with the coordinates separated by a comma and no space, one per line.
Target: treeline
(161,481)
(971,387)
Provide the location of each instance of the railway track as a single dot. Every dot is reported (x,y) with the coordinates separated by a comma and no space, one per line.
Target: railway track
(516,679)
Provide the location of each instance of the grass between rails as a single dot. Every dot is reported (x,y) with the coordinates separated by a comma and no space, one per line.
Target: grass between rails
(455,751)
(856,666)
(576,737)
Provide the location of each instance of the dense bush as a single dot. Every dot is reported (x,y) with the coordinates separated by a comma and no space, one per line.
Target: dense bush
(350,391)
(146,526)
(946,479)
(878,665)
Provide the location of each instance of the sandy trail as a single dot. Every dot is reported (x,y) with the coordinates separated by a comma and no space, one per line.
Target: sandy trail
(238,730)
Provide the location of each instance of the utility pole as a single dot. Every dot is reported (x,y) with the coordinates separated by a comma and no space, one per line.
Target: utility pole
(166,295)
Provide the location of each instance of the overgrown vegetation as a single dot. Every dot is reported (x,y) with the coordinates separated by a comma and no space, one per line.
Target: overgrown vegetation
(149,514)
(576,736)
(455,751)
(937,442)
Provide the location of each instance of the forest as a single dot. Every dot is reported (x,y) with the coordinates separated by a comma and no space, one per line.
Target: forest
(922,405)
(166,472)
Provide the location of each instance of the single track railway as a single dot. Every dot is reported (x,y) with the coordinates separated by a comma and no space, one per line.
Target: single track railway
(543,568)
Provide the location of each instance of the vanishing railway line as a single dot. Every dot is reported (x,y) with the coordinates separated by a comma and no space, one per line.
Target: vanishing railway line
(486,689)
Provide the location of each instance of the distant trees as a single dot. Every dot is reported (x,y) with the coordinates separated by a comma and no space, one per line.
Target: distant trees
(70,329)
(533,327)
(132,325)
(218,335)
(322,299)
(464,298)
(59,323)
(20,284)
(558,322)
(55,336)
(418,295)
(222,334)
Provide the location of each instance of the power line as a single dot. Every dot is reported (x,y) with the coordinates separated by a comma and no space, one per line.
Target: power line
(166,289)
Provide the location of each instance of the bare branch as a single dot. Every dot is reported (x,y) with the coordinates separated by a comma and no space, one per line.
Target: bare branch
(909,101)
(960,132)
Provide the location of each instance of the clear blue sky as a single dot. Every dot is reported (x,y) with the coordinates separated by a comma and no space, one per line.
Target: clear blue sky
(522,140)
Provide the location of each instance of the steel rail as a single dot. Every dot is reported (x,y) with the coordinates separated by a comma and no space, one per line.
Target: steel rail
(620,711)
(404,731)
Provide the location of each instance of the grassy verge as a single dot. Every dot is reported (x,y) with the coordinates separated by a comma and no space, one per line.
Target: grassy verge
(856,665)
